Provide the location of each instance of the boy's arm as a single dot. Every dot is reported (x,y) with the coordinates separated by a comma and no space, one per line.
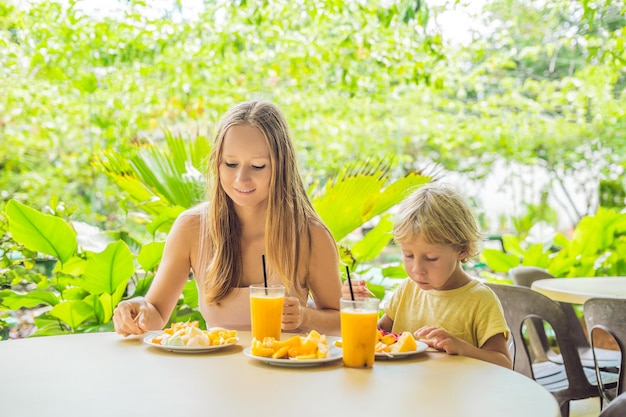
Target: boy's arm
(494,350)
(385,323)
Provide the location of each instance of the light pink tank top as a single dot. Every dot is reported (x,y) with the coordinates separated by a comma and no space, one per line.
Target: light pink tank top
(233,312)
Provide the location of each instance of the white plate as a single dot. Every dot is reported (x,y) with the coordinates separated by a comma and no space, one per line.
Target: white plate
(421,346)
(333,355)
(185,349)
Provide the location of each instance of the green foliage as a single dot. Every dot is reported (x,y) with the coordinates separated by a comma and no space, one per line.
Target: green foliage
(612,194)
(79,84)
(88,285)
(360,192)
(159,181)
(545,87)
(540,84)
(597,248)
(85,286)
(354,196)
(535,213)
(51,235)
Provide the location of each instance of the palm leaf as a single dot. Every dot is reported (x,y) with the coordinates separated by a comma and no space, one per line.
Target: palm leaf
(155,177)
(358,194)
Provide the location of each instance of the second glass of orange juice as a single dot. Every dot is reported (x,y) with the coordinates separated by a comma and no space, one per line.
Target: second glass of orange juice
(359,321)
(266,310)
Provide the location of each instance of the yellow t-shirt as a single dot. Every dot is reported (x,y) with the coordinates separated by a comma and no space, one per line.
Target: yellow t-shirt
(472,313)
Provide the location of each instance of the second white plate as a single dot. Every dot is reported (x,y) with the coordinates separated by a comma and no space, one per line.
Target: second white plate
(421,346)
(333,355)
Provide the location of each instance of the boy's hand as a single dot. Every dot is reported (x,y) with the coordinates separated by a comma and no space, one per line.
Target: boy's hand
(440,339)
(358,287)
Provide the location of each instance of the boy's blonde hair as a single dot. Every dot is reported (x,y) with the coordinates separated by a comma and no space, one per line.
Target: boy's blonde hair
(440,215)
(289,210)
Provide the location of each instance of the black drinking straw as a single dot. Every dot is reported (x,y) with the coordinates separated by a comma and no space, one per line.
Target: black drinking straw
(350,283)
(264,273)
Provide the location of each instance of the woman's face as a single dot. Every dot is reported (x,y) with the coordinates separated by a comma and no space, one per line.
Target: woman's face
(245,169)
(433,266)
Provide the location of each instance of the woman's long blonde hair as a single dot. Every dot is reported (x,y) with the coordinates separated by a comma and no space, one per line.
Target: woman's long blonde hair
(289,210)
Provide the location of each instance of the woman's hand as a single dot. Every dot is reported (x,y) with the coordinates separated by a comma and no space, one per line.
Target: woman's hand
(135,316)
(359,288)
(293,313)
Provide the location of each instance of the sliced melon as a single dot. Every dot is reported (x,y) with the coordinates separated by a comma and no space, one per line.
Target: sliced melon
(406,343)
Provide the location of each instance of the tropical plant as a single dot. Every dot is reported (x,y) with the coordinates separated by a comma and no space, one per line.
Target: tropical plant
(85,285)
(597,248)
(158,182)
(360,193)
(95,270)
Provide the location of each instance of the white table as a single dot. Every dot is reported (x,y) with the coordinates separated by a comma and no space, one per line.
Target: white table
(579,290)
(103,374)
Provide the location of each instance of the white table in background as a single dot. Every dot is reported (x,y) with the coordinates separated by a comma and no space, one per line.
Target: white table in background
(579,290)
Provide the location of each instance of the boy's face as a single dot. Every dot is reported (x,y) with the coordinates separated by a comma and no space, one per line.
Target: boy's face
(433,266)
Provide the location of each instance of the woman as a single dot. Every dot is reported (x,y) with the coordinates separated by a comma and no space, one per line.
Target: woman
(258,206)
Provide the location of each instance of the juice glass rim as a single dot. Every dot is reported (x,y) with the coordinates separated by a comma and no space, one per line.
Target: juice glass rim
(267,286)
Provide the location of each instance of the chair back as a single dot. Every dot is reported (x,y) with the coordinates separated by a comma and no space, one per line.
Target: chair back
(525,276)
(521,303)
(617,407)
(608,315)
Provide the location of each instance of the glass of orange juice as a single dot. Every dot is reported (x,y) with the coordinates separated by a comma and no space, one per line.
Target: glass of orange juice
(359,322)
(266,310)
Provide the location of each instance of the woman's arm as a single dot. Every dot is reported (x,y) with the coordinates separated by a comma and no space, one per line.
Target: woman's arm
(175,266)
(324,283)
(139,314)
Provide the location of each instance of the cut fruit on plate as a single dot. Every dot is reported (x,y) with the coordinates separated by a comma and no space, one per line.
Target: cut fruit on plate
(421,347)
(406,343)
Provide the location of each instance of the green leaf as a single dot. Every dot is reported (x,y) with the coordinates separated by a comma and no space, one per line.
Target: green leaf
(150,255)
(512,245)
(374,241)
(394,193)
(105,271)
(75,266)
(41,232)
(394,272)
(535,256)
(499,261)
(74,293)
(15,301)
(378,290)
(72,312)
(561,240)
(48,325)
(356,195)
(98,309)
(164,220)
(190,294)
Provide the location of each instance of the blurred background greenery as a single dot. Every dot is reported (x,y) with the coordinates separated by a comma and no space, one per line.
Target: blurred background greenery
(524,84)
(521,103)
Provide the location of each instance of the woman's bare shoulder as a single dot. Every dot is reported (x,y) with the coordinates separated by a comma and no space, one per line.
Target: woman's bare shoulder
(190,218)
(319,231)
